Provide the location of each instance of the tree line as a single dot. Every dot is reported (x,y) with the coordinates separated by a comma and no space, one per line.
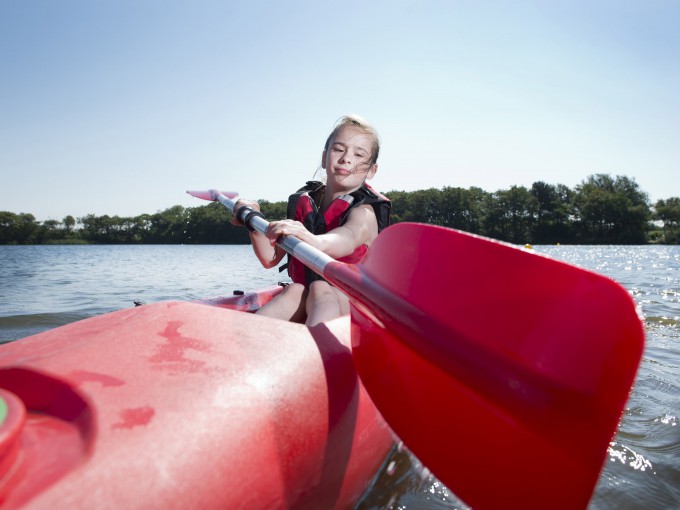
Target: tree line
(600,210)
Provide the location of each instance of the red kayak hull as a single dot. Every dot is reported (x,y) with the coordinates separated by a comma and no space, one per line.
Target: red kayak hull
(185,405)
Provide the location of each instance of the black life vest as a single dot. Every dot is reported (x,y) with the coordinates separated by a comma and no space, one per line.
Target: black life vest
(302,207)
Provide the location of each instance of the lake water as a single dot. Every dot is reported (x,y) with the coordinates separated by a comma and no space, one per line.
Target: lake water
(42,287)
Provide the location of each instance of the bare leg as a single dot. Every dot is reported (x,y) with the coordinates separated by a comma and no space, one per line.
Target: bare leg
(325,302)
(289,305)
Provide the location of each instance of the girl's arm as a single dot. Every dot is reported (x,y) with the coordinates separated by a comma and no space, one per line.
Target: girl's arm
(269,255)
(360,228)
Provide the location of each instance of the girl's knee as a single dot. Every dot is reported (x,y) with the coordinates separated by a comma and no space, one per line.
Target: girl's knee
(325,303)
(287,305)
(294,290)
(318,288)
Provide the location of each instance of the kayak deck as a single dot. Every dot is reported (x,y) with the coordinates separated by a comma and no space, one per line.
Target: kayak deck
(177,404)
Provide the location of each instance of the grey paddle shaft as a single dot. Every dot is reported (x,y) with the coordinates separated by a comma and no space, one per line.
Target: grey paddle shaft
(309,256)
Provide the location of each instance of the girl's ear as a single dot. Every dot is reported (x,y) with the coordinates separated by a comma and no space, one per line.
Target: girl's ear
(323,159)
(372,171)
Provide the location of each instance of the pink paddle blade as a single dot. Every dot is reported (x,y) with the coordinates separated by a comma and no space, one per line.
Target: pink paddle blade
(210,194)
(505,372)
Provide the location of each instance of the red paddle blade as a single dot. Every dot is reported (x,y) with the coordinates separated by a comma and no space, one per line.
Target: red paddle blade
(505,372)
(209,195)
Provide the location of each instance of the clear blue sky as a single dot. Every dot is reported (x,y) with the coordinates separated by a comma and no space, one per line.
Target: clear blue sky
(118,107)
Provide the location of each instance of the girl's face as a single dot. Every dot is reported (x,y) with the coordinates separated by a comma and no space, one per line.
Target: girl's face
(347,159)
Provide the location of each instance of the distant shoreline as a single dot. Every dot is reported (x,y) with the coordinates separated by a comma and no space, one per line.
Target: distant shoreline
(600,210)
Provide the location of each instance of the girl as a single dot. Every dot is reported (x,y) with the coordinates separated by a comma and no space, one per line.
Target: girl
(340,217)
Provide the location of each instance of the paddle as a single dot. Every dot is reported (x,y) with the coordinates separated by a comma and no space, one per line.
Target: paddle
(503,371)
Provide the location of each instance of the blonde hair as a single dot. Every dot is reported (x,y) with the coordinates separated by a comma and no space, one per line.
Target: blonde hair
(357,121)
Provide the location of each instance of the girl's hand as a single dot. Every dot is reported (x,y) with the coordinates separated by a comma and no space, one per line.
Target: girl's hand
(293,228)
(243,203)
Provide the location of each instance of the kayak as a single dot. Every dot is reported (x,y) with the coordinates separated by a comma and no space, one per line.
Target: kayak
(187,405)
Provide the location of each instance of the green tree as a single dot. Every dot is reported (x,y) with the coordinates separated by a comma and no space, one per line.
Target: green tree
(18,228)
(553,213)
(88,230)
(50,230)
(512,215)
(462,208)
(273,211)
(8,227)
(212,224)
(69,222)
(169,226)
(422,206)
(104,229)
(668,211)
(399,201)
(611,210)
